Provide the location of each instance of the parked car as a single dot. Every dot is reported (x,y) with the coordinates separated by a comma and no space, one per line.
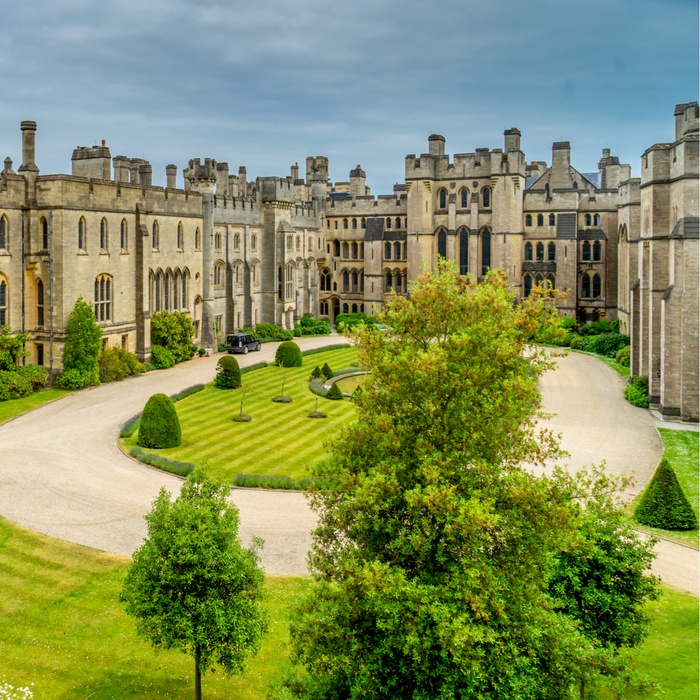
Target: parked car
(241,342)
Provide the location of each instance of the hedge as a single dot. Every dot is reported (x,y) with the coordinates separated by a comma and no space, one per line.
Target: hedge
(160,426)
(228,373)
(288,354)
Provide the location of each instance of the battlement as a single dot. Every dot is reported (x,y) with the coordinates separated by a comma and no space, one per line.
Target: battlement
(368,205)
(275,189)
(202,176)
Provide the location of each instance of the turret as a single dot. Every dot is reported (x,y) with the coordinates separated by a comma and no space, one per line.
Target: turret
(686,119)
(436,145)
(512,139)
(357,182)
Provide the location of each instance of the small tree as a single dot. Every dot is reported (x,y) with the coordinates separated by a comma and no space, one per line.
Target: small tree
(288,354)
(174,331)
(192,586)
(663,503)
(82,347)
(160,426)
(228,373)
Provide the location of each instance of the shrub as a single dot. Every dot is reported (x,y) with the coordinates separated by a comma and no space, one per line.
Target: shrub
(288,354)
(160,426)
(129,428)
(162,358)
(316,374)
(202,352)
(568,323)
(607,344)
(228,373)
(116,364)
(346,322)
(327,371)
(83,345)
(163,463)
(11,347)
(311,327)
(35,374)
(357,394)
(331,346)
(73,379)
(269,331)
(664,504)
(194,389)
(173,330)
(578,343)
(637,393)
(334,393)
(297,330)
(623,356)
(14,385)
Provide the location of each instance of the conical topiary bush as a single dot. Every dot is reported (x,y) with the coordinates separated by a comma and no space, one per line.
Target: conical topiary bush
(334,393)
(159,427)
(664,504)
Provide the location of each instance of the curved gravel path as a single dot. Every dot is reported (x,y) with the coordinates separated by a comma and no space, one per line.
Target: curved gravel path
(63,474)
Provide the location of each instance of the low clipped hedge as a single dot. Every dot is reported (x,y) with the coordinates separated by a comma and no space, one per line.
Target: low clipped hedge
(228,373)
(276,482)
(288,354)
(160,426)
(663,504)
(168,465)
(194,389)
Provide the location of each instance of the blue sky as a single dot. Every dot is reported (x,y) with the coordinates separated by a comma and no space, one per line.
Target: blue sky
(265,83)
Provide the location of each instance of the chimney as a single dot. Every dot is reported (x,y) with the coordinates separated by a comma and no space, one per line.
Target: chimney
(145,174)
(222,178)
(242,176)
(512,139)
(28,138)
(171,176)
(295,172)
(436,145)
(561,165)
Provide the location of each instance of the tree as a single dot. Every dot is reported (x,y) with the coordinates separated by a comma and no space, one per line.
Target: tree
(228,373)
(192,586)
(159,427)
(82,347)
(435,548)
(174,331)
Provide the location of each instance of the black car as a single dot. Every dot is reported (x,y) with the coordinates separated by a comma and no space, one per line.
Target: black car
(241,342)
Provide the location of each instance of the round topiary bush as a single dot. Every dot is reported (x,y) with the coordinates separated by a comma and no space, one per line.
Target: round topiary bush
(664,504)
(228,373)
(160,426)
(334,393)
(623,356)
(288,354)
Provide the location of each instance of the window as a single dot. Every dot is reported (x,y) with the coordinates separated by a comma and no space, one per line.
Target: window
(176,288)
(546,190)
(397,251)
(82,235)
(552,220)
(298,244)
(254,242)
(398,283)
(154,236)
(527,285)
(346,309)
(397,223)
(464,198)
(528,251)
(355,250)
(551,283)
(388,281)
(596,286)
(485,251)
(346,251)
(236,241)
(4,233)
(325,280)
(40,303)
(486,195)
(463,252)
(185,277)
(346,281)
(442,197)
(197,239)
(335,224)
(353,308)
(290,281)
(587,220)
(540,252)
(528,220)
(551,251)
(354,224)
(219,274)
(388,222)
(597,251)
(323,308)
(103,235)
(217,241)
(540,220)
(167,284)
(586,255)
(442,243)
(44,234)
(103,298)
(336,249)
(180,236)
(363,223)
(354,281)
(387,251)
(596,219)
(362,281)
(123,240)
(40,354)
(586,287)
(345,223)
(4,318)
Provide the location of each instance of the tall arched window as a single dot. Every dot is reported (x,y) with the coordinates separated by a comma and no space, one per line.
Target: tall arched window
(180,236)
(176,289)
(184,290)
(355,250)
(4,318)
(363,223)
(587,220)
(167,286)
(325,280)
(253,242)
(464,198)
(528,220)
(596,219)
(442,197)
(551,283)
(398,286)
(485,251)
(387,251)
(82,235)
(354,224)
(157,286)
(486,197)
(546,190)
(442,243)
(290,281)
(540,252)
(40,303)
(4,233)
(540,219)
(362,280)
(586,254)
(539,279)
(44,234)
(103,298)
(596,286)
(197,239)
(463,252)
(346,281)
(103,235)
(586,287)
(597,251)
(388,222)
(154,236)
(528,252)
(397,223)
(551,251)
(336,247)
(527,285)
(552,219)
(388,281)
(123,240)
(346,251)
(354,281)
(345,223)
(397,251)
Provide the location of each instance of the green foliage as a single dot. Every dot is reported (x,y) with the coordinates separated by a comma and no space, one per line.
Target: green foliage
(269,331)
(288,354)
(637,393)
(159,427)
(357,394)
(14,385)
(161,357)
(577,342)
(297,330)
(663,504)
(435,549)
(192,586)
(262,481)
(568,323)
(228,373)
(334,393)
(607,343)
(82,347)
(316,374)
(116,364)
(309,326)
(11,347)
(623,356)
(327,371)
(189,391)
(167,465)
(73,379)
(130,427)
(172,330)
(36,374)
(348,322)
(326,348)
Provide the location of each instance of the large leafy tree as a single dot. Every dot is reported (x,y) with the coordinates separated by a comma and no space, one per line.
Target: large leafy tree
(82,347)
(436,550)
(192,586)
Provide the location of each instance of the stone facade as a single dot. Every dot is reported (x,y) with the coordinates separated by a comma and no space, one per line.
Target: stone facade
(234,253)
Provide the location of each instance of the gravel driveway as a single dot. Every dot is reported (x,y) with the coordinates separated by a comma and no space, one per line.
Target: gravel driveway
(63,474)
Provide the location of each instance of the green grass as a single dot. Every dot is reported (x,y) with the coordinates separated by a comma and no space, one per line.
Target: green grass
(681,450)
(65,632)
(16,407)
(279,440)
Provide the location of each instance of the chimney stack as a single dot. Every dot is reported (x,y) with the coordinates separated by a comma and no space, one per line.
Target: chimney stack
(28,139)
(171,176)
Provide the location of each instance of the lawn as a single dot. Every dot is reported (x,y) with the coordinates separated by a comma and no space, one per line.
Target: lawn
(279,440)
(681,450)
(65,632)
(16,407)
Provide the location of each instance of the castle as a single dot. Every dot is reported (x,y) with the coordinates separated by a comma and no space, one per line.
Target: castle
(233,253)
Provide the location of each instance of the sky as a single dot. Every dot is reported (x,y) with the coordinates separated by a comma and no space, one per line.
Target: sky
(266,83)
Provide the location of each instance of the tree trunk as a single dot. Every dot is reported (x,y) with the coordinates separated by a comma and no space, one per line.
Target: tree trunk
(197,677)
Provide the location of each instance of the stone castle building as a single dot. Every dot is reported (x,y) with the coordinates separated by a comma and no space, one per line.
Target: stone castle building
(233,253)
